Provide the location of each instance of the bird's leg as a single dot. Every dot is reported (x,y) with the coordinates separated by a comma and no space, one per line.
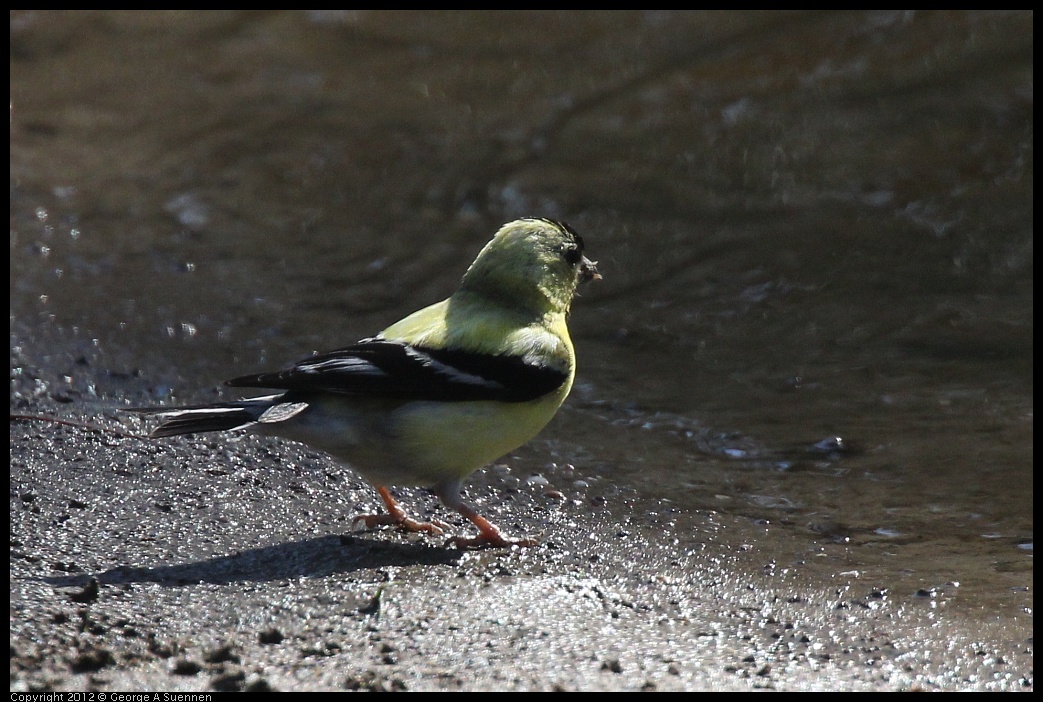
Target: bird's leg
(489,535)
(397,517)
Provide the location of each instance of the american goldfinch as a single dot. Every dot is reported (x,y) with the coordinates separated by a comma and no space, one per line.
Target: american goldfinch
(439,394)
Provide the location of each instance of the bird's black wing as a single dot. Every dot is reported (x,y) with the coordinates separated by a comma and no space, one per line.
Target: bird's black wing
(378,367)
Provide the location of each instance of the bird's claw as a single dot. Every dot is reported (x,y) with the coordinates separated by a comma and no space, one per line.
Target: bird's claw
(402,522)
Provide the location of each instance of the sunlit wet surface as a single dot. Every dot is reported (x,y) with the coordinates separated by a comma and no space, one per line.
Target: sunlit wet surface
(815,232)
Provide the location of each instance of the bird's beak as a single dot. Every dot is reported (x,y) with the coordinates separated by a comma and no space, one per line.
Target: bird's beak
(588,270)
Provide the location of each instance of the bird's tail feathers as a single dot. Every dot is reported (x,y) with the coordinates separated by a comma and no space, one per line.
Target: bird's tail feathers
(220,416)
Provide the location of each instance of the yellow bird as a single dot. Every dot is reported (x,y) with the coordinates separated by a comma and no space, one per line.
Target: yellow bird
(439,394)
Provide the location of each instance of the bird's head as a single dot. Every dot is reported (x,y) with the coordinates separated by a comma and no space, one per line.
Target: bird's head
(532,262)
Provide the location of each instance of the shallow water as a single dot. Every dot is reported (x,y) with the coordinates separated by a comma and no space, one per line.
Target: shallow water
(815,231)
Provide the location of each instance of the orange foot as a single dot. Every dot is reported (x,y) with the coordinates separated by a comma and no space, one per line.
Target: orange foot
(396,516)
(489,535)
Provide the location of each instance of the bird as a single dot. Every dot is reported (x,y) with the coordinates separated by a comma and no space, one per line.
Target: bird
(439,394)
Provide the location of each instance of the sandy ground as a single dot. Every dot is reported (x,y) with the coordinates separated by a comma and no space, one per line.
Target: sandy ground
(219,564)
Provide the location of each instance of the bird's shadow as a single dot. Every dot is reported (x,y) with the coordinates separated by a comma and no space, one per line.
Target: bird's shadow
(309,558)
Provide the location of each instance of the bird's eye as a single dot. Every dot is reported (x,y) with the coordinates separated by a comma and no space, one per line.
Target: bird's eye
(572,255)
(571,248)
